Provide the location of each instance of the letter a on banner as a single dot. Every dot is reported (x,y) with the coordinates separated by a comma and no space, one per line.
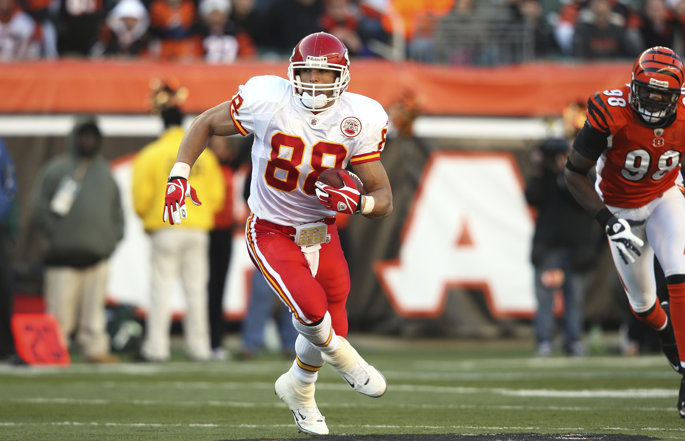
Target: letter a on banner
(469,227)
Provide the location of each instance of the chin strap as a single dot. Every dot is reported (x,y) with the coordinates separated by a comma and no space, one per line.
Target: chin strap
(652,117)
(640,115)
(317,102)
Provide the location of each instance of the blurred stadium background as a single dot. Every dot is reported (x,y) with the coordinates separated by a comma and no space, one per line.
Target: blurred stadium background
(457,155)
(486,115)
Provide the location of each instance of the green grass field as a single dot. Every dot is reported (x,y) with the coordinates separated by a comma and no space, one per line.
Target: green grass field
(435,387)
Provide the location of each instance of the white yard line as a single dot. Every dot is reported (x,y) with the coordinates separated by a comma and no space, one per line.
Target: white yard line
(676,433)
(634,393)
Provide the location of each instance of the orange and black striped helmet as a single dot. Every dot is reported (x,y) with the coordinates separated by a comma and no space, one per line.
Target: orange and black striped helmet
(656,85)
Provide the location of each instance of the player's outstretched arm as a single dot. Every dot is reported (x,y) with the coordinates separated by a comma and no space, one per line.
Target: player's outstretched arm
(214,121)
(378,199)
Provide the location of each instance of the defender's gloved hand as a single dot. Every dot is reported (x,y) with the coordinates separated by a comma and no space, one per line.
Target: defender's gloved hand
(343,200)
(620,236)
(177,189)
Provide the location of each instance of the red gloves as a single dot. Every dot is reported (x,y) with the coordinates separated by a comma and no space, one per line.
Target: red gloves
(346,199)
(175,200)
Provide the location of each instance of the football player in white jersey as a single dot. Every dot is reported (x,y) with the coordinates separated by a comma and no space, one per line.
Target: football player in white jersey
(302,126)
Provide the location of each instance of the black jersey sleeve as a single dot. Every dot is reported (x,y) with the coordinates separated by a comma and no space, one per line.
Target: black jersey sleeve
(590,142)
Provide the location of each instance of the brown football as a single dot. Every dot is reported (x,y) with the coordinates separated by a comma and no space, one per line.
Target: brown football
(331,176)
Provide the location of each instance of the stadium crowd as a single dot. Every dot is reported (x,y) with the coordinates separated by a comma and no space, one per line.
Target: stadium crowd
(223,31)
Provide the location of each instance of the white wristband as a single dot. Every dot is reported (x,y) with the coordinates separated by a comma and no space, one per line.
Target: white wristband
(180,169)
(368,202)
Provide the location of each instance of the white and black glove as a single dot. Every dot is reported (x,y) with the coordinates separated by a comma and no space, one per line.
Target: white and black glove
(620,236)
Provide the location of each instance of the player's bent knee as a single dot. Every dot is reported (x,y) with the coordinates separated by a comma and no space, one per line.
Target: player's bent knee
(320,334)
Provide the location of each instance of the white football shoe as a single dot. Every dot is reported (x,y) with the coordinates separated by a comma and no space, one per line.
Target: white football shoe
(359,374)
(299,397)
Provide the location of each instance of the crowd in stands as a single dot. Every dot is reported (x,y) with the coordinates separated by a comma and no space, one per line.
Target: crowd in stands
(218,31)
(222,31)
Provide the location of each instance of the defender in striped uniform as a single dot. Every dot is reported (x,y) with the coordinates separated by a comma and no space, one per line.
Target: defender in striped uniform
(634,135)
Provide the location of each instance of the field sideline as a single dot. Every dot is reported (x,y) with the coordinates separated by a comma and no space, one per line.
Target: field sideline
(438,389)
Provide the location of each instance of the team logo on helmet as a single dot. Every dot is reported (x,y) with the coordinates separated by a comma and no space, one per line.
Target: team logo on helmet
(351,126)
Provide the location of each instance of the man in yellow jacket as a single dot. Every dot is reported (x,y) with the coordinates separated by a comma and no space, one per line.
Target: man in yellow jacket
(176,253)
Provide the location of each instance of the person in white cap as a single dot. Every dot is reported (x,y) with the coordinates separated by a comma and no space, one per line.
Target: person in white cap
(126,33)
(218,43)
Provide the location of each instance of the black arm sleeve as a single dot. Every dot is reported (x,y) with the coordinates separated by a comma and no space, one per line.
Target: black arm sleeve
(590,142)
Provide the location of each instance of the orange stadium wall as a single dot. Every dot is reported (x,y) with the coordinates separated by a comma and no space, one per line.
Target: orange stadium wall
(536,89)
(382,298)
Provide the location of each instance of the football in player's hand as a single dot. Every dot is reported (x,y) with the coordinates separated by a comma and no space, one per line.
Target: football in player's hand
(331,176)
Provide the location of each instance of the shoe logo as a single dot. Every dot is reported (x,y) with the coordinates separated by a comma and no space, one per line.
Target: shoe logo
(302,417)
(351,383)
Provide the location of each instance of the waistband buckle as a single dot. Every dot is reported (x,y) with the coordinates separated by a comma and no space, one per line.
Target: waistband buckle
(313,233)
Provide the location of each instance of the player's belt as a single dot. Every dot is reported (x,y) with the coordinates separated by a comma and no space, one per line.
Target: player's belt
(287,229)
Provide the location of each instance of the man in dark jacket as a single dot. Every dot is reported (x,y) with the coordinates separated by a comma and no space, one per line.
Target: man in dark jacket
(9,221)
(565,246)
(78,210)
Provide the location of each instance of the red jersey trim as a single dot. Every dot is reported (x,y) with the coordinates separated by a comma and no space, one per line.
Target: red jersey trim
(239,126)
(375,156)
(232,108)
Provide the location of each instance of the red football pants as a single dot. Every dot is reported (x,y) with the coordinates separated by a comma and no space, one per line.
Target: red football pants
(285,268)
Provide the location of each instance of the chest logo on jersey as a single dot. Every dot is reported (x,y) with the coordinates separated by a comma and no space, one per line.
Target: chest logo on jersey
(658,141)
(351,126)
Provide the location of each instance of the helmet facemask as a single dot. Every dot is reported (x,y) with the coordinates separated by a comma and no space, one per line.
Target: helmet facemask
(316,96)
(653,102)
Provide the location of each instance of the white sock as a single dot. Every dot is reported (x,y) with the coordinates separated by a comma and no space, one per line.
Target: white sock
(322,335)
(308,362)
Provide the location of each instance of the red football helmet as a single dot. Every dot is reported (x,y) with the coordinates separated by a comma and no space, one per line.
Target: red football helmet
(656,85)
(319,51)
